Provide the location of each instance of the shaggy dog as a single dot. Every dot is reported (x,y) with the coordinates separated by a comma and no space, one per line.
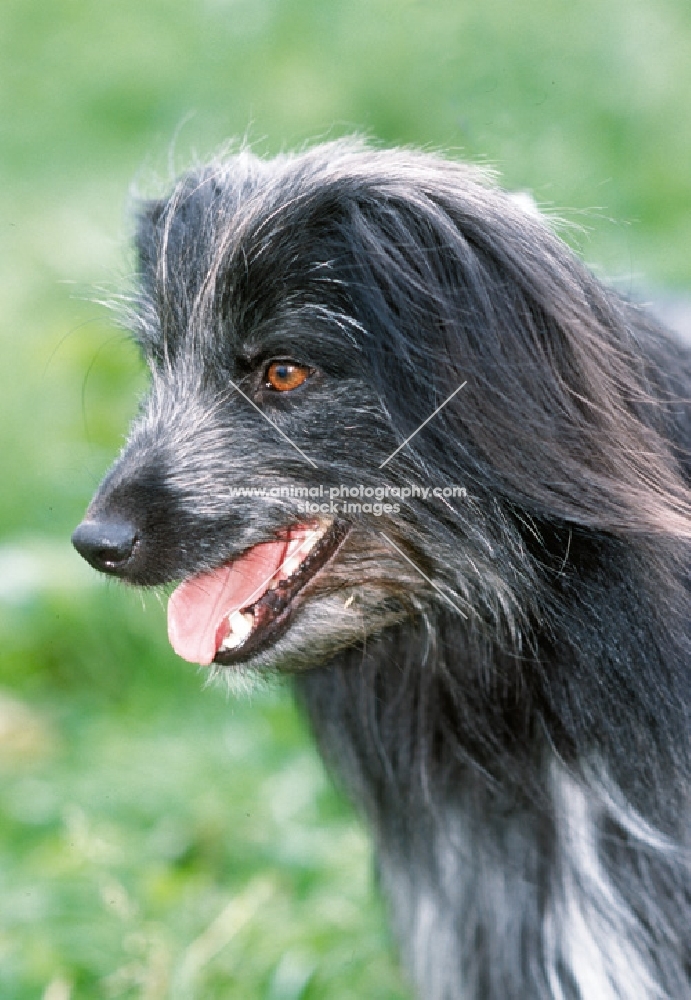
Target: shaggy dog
(401,445)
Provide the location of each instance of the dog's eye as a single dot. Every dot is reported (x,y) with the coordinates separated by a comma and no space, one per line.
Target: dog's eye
(286,375)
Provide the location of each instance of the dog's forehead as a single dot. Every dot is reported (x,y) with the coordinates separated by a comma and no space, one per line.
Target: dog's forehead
(225,257)
(360,237)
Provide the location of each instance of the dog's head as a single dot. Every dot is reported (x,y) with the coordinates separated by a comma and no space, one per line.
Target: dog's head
(330,335)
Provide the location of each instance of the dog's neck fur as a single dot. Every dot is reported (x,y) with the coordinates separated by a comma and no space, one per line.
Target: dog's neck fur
(496,869)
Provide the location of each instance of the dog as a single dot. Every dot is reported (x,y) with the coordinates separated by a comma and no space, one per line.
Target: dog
(402,446)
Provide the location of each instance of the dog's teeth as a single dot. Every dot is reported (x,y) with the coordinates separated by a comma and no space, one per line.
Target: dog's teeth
(290,565)
(240,628)
(315,537)
(295,561)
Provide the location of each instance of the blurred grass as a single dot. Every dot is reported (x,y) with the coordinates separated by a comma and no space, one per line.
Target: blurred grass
(162,840)
(157,839)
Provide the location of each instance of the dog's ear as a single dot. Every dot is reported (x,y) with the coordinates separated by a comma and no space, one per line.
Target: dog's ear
(175,243)
(176,237)
(148,240)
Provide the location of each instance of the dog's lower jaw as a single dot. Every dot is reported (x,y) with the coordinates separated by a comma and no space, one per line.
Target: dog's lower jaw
(322,627)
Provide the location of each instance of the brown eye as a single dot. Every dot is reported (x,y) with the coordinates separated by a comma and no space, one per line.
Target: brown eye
(286,375)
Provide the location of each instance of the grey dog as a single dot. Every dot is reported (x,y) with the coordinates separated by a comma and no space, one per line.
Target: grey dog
(402,445)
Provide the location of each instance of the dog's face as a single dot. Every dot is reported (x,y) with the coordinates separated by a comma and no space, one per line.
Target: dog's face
(252,473)
(328,334)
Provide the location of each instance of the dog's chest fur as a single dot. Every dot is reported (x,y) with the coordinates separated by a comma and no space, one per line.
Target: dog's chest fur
(498,910)
(493,891)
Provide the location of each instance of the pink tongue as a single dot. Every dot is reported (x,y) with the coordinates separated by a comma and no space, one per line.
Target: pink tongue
(197,608)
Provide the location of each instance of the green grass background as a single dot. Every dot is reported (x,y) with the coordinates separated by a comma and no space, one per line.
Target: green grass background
(159,839)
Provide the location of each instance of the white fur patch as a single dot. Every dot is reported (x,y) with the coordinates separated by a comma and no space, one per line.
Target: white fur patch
(590,929)
(483,905)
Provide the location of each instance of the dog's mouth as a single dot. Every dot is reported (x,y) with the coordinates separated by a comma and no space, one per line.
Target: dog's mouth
(227,614)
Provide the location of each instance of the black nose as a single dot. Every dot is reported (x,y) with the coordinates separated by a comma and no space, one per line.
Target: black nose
(107,545)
